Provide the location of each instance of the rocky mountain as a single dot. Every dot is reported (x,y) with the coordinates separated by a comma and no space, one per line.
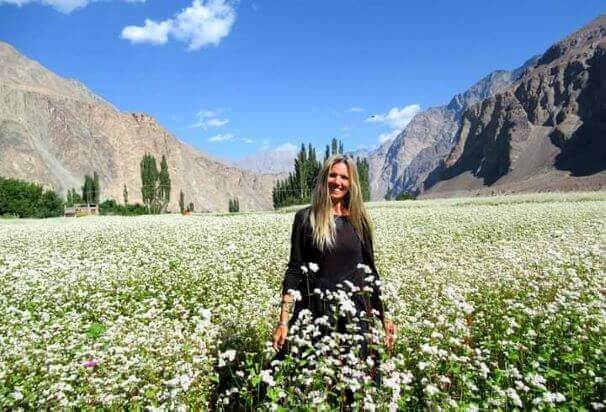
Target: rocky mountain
(546,131)
(54,131)
(279,160)
(402,165)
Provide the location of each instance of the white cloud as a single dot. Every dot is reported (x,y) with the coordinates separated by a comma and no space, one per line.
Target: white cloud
(209,118)
(151,32)
(217,122)
(286,147)
(205,22)
(248,140)
(208,113)
(396,118)
(221,138)
(355,109)
(64,6)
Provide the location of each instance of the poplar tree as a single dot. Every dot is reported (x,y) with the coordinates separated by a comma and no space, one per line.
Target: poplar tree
(149,177)
(363,174)
(181,202)
(334,146)
(96,190)
(88,190)
(125,194)
(163,185)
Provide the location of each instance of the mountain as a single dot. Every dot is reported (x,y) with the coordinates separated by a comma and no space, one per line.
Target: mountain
(546,131)
(279,160)
(402,165)
(54,131)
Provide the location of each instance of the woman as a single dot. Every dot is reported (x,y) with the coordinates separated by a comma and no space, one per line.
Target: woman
(332,236)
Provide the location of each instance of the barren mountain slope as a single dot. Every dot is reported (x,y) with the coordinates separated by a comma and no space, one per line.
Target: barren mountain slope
(545,132)
(54,131)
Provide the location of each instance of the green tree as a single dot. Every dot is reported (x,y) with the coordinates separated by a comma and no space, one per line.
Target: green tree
(296,188)
(405,196)
(125,194)
(363,174)
(234,205)
(87,189)
(149,182)
(25,199)
(96,189)
(72,197)
(164,185)
(191,207)
(181,202)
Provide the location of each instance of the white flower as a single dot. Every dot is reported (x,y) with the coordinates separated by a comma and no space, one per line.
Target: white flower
(366,268)
(204,313)
(295,294)
(314,267)
(267,377)
(431,389)
(229,356)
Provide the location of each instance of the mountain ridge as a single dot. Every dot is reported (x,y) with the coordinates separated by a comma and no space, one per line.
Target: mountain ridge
(548,126)
(53,131)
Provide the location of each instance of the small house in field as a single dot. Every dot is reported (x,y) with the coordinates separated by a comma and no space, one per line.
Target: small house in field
(81,209)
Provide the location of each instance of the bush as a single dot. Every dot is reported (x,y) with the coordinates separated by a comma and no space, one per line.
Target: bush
(111,207)
(234,205)
(405,196)
(24,199)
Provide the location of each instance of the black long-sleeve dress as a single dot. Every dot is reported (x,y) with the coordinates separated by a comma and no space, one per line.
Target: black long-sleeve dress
(336,266)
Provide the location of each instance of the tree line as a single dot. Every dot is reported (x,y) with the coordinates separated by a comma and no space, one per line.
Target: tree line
(296,188)
(24,199)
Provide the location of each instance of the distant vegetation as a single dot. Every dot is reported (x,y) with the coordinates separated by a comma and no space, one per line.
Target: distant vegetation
(234,205)
(297,187)
(111,207)
(90,192)
(155,184)
(23,199)
(405,196)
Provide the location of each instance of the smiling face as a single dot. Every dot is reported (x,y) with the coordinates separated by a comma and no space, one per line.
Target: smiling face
(338,182)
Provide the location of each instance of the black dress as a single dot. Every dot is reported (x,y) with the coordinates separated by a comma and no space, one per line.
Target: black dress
(337,268)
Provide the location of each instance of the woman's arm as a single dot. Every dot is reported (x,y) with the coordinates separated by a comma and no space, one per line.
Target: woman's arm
(292,281)
(294,274)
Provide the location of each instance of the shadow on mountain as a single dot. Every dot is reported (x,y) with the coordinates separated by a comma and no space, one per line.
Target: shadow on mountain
(486,152)
(584,152)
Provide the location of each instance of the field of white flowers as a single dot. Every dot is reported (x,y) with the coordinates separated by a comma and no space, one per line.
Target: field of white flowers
(500,303)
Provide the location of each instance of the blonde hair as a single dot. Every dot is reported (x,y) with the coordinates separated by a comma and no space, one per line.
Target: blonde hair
(321,217)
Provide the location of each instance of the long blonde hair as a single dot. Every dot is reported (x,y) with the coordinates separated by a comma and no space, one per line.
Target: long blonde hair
(321,217)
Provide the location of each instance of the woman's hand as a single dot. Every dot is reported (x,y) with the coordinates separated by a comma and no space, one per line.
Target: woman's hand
(390,334)
(280,336)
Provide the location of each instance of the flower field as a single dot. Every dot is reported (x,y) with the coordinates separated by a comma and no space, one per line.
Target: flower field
(500,303)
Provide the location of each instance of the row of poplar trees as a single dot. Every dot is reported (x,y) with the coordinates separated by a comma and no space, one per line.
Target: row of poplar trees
(91,192)
(155,184)
(297,187)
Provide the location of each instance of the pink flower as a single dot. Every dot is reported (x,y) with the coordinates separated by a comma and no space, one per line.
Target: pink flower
(90,363)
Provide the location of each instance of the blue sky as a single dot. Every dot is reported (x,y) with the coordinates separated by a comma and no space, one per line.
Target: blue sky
(232,78)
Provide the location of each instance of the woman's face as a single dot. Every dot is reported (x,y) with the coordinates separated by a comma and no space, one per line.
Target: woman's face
(338,182)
